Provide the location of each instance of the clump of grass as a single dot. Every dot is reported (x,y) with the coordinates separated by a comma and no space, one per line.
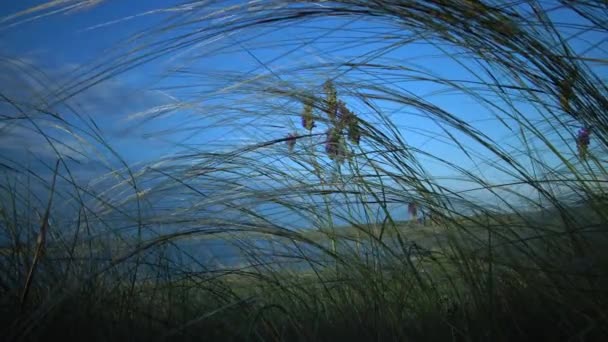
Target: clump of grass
(123,259)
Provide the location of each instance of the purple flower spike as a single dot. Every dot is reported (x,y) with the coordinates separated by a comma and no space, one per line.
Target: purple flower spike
(583,139)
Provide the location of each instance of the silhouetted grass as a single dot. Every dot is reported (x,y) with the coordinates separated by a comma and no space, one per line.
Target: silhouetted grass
(305,187)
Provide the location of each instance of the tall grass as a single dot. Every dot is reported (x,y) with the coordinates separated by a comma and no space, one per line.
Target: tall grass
(514,247)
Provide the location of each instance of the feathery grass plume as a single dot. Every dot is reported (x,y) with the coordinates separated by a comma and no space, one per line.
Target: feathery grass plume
(333,144)
(354,132)
(331,99)
(343,115)
(346,119)
(308,120)
(291,141)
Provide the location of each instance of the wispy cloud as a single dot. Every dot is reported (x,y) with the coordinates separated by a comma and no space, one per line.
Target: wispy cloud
(87,129)
(46,9)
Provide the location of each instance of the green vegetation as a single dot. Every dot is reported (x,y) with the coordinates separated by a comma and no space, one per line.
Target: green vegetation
(311,212)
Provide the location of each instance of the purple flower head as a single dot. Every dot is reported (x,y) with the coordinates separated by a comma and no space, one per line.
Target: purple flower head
(334,146)
(343,115)
(347,119)
(331,143)
(583,138)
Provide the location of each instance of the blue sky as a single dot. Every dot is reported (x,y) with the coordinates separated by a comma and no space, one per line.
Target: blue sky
(65,43)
